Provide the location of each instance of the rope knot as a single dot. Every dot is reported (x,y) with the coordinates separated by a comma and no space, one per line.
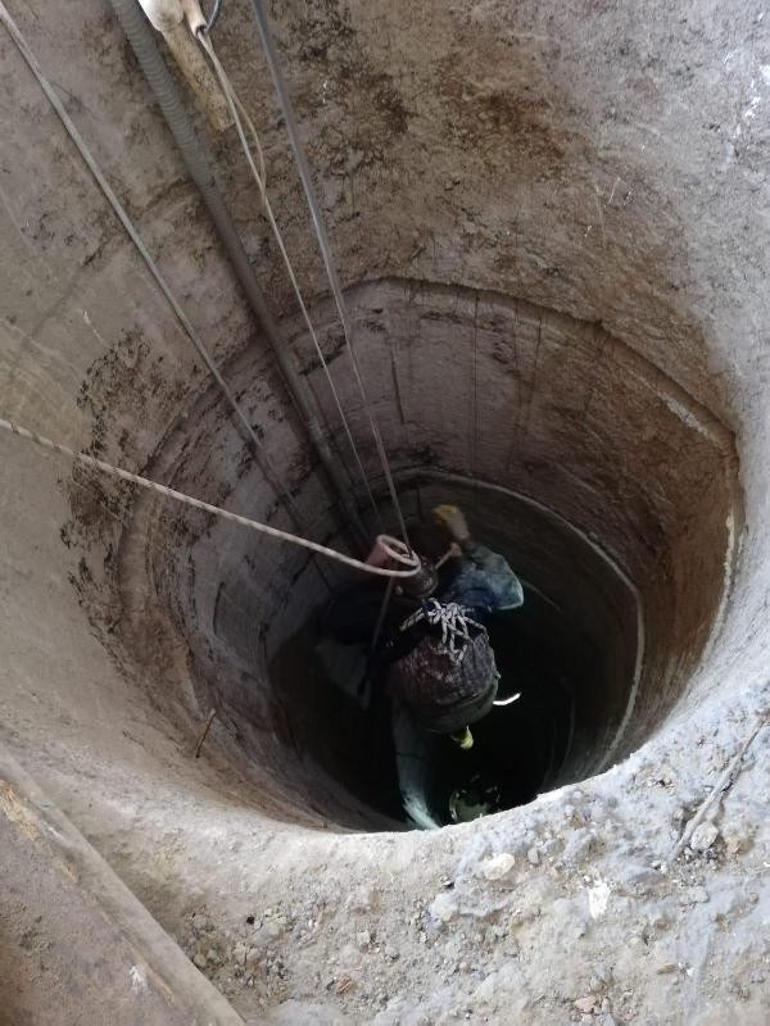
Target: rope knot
(454,622)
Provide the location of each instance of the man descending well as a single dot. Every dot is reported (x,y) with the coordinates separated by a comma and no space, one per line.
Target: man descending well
(433,645)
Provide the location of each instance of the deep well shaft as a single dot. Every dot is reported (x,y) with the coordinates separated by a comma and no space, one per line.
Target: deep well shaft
(545,220)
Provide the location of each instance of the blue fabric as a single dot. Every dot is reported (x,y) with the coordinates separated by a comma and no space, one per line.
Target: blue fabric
(483,581)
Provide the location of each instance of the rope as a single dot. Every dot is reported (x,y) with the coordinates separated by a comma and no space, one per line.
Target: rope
(325,248)
(454,622)
(724,782)
(401,553)
(238,112)
(135,237)
(212,18)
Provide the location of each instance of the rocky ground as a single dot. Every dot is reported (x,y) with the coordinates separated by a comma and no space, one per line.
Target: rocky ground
(564,911)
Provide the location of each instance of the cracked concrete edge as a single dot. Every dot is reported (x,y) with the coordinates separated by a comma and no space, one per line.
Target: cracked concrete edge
(26,806)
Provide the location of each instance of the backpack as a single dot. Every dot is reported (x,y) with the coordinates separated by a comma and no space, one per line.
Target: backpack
(449,679)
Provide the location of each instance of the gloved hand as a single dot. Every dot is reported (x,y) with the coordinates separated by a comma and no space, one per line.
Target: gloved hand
(463,738)
(453,518)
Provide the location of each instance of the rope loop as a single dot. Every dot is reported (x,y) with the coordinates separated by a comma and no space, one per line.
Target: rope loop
(397,550)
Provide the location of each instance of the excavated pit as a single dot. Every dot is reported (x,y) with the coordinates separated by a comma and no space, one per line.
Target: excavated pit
(609,490)
(545,220)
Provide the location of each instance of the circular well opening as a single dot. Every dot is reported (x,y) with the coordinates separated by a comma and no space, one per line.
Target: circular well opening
(611,493)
